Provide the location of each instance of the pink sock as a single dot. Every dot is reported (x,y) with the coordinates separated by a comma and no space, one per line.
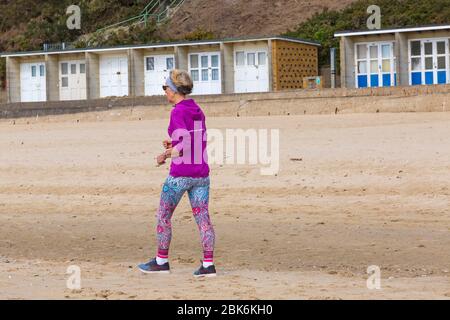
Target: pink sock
(208,259)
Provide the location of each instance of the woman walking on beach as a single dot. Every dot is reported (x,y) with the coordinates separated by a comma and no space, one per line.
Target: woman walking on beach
(189,172)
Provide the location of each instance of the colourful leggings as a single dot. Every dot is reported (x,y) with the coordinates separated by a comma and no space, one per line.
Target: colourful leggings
(173,191)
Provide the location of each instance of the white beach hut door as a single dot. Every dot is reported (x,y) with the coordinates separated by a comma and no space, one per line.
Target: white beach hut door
(157,69)
(205,72)
(123,77)
(113,77)
(33,82)
(72,82)
(252,71)
(263,72)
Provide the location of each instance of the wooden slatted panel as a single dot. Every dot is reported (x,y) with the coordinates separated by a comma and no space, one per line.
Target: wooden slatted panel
(291,63)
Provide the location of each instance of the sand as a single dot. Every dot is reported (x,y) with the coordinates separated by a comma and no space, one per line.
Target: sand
(353,191)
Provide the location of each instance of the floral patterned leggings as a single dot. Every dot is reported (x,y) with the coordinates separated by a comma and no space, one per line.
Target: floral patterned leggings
(173,191)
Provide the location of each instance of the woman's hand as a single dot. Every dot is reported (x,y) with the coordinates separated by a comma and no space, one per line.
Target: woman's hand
(169,153)
(161,159)
(172,153)
(167,144)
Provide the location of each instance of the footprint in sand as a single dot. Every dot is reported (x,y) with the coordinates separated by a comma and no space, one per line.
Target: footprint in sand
(105,294)
(185,260)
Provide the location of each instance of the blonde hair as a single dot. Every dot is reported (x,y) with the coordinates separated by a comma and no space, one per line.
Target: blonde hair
(182,80)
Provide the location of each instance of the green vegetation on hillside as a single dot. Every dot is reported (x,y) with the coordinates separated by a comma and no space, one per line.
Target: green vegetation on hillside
(44,21)
(395,13)
(25,25)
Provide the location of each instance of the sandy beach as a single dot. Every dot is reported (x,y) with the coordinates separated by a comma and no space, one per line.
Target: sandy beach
(353,190)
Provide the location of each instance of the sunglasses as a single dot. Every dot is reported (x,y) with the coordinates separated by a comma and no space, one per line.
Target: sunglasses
(165,88)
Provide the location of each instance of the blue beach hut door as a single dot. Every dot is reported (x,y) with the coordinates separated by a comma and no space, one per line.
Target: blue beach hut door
(429,61)
(375,65)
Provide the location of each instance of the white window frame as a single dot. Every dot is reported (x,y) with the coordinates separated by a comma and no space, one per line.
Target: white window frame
(146,63)
(236,60)
(173,63)
(246,53)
